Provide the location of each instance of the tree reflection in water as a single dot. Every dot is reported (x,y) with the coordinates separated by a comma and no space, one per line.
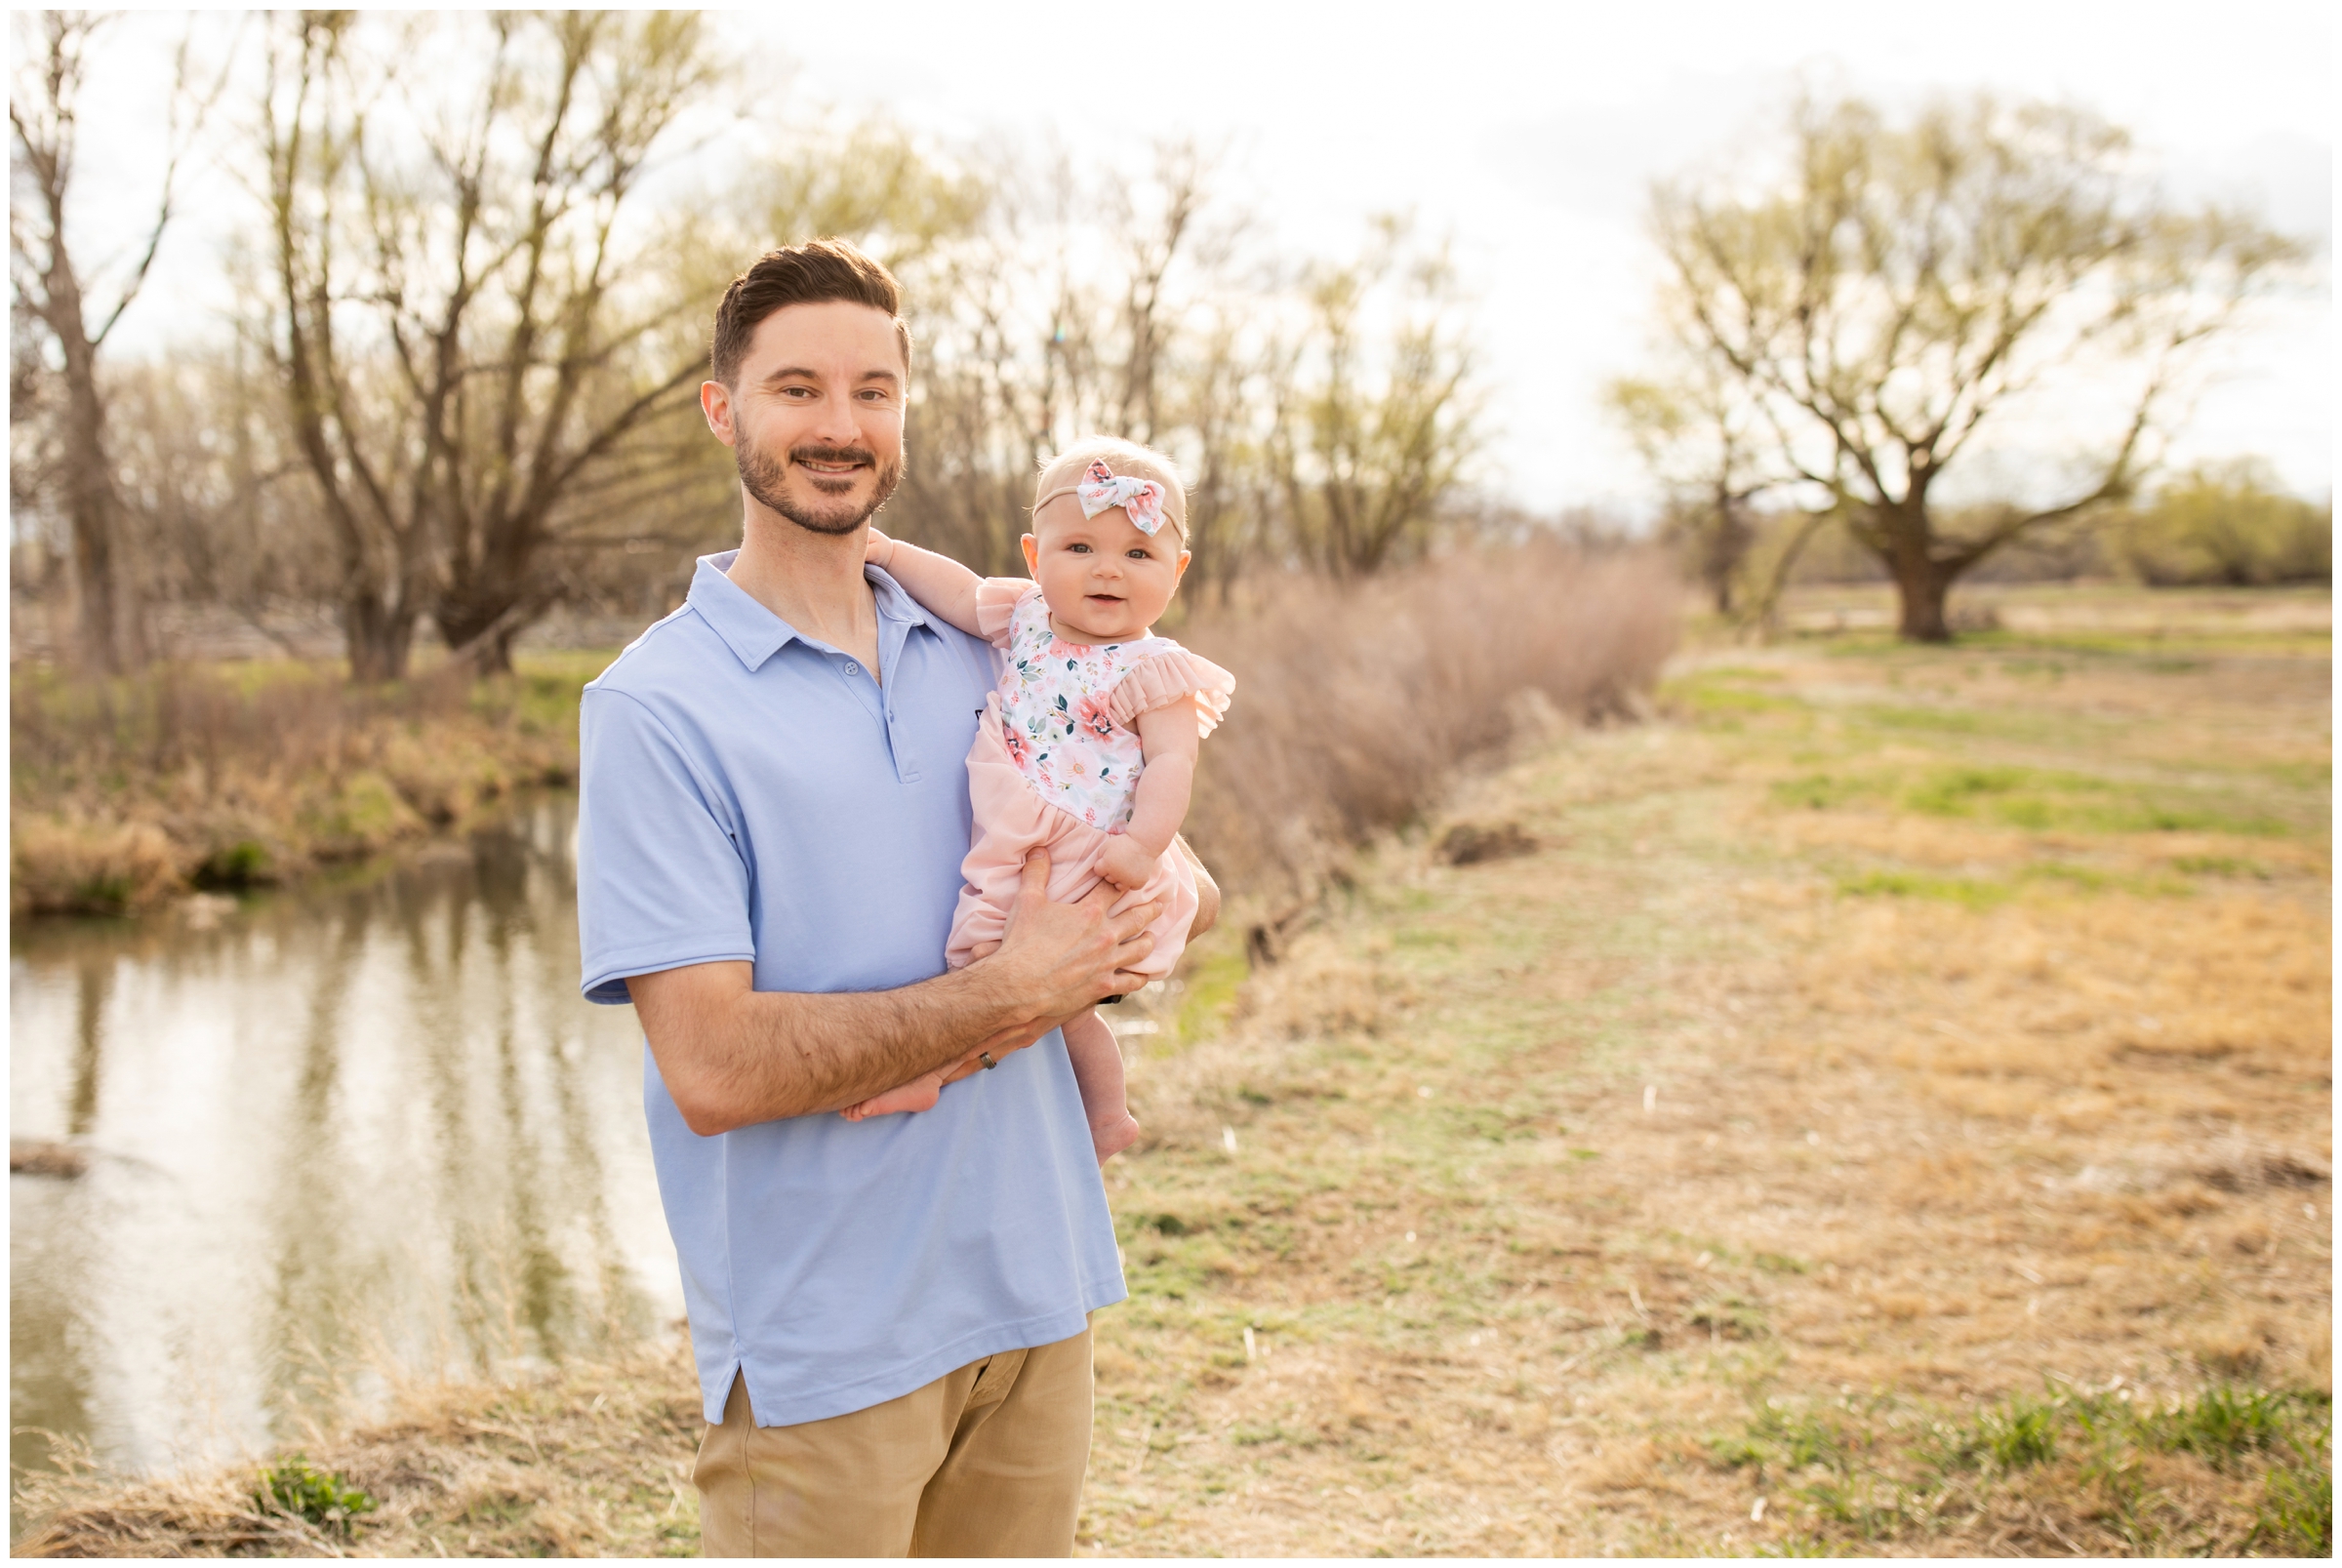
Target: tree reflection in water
(362,1132)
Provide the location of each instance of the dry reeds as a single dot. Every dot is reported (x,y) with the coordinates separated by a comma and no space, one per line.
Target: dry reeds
(1357,703)
(591,1461)
(127,791)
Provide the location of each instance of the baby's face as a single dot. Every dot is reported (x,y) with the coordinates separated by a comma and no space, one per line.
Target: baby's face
(1104,581)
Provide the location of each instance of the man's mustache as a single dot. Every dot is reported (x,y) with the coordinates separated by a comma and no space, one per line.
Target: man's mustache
(861,456)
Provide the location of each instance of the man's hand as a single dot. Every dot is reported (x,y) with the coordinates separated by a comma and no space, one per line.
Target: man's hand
(732,1056)
(1064,957)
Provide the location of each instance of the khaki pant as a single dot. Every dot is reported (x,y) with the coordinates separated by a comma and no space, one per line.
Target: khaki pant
(986,1461)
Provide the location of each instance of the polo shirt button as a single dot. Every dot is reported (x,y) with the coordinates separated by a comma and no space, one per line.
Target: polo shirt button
(852,669)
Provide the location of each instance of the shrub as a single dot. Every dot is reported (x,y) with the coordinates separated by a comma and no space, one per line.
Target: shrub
(1356,701)
(2228,524)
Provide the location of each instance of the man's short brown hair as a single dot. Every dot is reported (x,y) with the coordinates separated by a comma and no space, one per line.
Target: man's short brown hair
(810,273)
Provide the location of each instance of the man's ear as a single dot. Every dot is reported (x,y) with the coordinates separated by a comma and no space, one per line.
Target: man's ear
(1032,556)
(716,402)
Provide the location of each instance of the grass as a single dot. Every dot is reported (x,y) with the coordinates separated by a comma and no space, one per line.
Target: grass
(1814,1131)
(125,793)
(1702,1181)
(592,1461)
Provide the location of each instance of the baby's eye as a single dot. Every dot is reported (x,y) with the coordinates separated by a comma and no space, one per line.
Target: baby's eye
(1077,549)
(1139,555)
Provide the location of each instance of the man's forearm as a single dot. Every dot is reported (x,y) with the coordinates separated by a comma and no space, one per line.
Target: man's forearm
(732,1056)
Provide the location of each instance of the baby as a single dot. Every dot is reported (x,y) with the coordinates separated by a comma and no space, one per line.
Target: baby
(1087,749)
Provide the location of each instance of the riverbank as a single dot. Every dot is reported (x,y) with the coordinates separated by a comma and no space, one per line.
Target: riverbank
(1882,1105)
(592,1461)
(126,793)
(1360,701)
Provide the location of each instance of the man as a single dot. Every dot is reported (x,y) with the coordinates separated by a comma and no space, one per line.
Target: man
(889,1317)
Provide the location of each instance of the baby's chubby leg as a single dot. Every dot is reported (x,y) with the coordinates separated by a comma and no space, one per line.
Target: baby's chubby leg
(1098,1072)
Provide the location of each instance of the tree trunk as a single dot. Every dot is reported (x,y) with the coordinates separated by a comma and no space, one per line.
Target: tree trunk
(109,631)
(377,636)
(483,635)
(1923,585)
(110,628)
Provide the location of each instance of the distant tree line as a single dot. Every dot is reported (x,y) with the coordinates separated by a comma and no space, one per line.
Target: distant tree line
(1853,308)
(2214,525)
(458,385)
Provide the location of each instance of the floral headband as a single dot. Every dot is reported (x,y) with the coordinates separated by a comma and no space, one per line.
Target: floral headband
(1101,488)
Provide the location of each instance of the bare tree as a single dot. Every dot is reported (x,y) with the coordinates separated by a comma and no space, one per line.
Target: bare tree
(52,292)
(1697,439)
(1898,288)
(470,316)
(1374,426)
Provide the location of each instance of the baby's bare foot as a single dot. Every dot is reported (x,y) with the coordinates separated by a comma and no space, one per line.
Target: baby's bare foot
(920,1094)
(1113,1136)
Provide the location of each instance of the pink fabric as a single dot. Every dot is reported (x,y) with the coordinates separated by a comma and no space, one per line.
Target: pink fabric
(996,606)
(1160,679)
(1012,821)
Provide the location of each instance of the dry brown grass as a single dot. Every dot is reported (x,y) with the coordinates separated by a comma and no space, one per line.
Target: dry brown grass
(125,792)
(594,1462)
(1731,1149)
(1358,704)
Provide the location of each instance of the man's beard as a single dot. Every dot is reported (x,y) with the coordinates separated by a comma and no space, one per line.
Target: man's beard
(763,477)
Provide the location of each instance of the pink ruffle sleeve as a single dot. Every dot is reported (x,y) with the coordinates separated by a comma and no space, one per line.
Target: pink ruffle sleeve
(1170,676)
(996,599)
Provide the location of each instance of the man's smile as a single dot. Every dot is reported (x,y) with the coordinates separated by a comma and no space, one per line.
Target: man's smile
(832,463)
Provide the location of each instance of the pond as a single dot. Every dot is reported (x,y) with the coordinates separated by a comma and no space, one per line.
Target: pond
(329,1139)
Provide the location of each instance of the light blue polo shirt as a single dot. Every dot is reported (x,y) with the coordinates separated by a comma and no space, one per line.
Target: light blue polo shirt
(750,793)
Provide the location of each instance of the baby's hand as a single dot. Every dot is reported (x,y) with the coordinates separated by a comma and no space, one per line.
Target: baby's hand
(880,550)
(1125,865)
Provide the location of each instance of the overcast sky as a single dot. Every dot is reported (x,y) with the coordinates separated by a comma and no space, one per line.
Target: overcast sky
(1529,133)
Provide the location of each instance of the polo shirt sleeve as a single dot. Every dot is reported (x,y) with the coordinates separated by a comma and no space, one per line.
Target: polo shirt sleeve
(663,880)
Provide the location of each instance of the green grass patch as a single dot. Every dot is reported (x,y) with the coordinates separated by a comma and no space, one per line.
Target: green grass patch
(2036,799)
(294,1487)
(1969,892)
(2230,865)
(1722,694)
(1878,1469)
(1824,791)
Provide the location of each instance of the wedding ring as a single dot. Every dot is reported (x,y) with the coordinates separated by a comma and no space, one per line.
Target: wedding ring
(985,1057)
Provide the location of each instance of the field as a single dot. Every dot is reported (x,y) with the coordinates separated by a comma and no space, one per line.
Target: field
(1888,1110)
(1880,1105)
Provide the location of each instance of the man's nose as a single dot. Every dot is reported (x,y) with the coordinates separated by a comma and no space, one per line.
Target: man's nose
(834,423)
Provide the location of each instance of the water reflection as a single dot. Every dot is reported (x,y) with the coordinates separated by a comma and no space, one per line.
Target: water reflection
(360,1132)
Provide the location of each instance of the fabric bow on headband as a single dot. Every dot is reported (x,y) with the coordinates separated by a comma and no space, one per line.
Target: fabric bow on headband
(1101,488)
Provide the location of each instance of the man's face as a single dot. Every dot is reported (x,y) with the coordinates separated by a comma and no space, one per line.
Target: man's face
(816,421)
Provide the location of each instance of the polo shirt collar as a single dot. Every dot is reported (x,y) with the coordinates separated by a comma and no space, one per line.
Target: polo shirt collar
(755,634)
